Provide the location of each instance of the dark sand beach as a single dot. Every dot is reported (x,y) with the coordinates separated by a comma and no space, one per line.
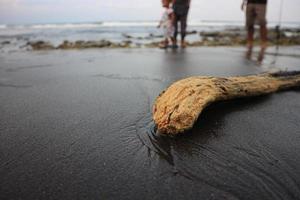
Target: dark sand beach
(77,124)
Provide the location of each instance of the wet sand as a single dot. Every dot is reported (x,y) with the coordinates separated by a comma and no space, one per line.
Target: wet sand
(78,125)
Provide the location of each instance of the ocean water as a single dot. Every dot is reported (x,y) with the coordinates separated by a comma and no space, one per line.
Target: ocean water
(15,37)
(113,31)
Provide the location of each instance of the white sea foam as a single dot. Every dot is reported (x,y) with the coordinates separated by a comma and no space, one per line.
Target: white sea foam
(129,24)
(14,26)
(215,23)
(240,23)
(134,24)
(64,26)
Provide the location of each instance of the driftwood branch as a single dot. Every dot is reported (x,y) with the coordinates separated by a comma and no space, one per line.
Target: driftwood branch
(178,107)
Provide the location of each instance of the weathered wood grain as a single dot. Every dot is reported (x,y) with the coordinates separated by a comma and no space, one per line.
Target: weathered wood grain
(178,107)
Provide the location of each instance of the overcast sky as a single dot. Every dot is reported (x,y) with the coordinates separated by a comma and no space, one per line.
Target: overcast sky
(52,11)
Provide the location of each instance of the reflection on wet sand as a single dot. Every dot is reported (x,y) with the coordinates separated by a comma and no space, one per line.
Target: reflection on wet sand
(260,57)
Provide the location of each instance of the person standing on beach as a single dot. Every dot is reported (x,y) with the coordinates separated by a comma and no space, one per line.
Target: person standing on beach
(166,23)
(256,12)
(181,10)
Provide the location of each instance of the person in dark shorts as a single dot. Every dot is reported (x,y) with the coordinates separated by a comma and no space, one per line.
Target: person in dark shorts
(256,13)
(181,10)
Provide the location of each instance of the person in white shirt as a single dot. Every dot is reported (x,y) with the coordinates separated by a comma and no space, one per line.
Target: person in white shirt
(166,23)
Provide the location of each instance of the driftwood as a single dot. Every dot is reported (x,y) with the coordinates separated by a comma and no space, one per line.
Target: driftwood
(178,107)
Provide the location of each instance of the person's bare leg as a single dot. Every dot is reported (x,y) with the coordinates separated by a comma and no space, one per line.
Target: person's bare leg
(261,55)
(250,21)
(183,25)
(164,44)
(261,17)
(175,24)
(264,36)
(250,36)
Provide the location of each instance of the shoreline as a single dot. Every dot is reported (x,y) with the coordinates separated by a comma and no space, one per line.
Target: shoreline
(231,37)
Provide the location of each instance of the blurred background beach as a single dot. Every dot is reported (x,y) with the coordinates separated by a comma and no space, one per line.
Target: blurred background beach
(129,34)
(30,24)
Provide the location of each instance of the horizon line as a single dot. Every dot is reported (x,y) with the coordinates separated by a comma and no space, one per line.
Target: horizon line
(136,21)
